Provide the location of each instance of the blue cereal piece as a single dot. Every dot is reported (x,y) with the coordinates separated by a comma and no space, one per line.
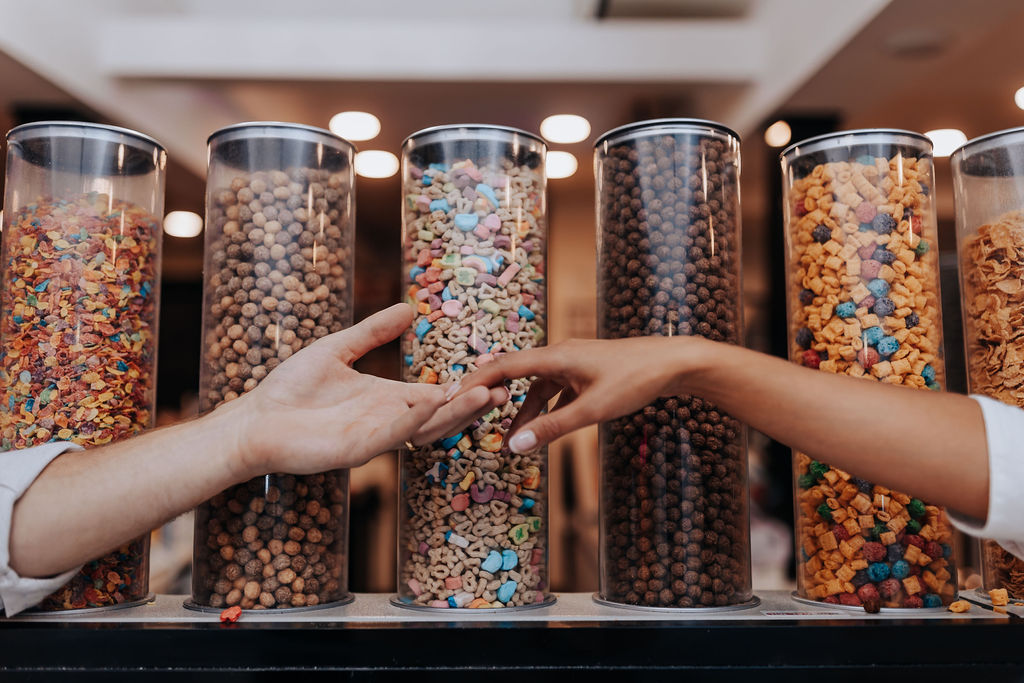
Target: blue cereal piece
(932,600)
(528,504)
(873,335)
(492,564)
(900,570)
(509,560)
(457,368)
(878,571)
(437,473)
(928,374)
(847,309)
(488,192)
(414,272)
(427,181)
(878,287)
(888,346)
(451,601)
(443,168)
(804,338)
(440,205)
(422,327)
(525,313)
(408,360)
(884,307)
(446,295)
(451,441)
(894,553)
(466,221)
(507,590)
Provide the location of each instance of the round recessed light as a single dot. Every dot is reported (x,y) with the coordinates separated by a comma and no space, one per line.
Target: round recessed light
(1018,97)
(376,163)
(183,224)
(778,134)
(355,125)
(945,140)
(565,128)
(561,164)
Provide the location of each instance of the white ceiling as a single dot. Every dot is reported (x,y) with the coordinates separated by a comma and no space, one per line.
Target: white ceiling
(178,69)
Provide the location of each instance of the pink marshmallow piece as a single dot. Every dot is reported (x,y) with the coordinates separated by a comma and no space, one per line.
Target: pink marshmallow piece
(492,222)
(452,308)
(508,274)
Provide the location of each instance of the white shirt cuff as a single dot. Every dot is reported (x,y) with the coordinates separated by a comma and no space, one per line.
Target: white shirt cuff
(1004,433)
(18,469)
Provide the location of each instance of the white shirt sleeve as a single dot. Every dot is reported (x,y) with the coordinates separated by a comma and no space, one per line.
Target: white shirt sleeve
(1004,431)
(18,469)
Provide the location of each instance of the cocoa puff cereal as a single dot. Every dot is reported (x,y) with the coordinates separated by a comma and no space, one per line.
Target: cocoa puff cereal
(473,525)
(864,301)
(674,520)
(80,300)
(279,248)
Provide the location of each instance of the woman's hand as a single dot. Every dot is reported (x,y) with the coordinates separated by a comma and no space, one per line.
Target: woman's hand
(598,380)
(315,413)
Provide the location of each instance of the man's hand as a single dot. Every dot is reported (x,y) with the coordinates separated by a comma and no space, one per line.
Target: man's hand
(315,413)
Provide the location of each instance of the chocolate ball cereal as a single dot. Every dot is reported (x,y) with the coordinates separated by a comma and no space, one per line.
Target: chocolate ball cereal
(473,531)
(279,250)
(864,301)
(674,522)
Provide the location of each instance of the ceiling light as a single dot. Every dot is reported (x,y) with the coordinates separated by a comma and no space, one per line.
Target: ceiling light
(561,164)
(565,128)
(355,125)
(376,163)
(1018,97)
(778,134)
(183,224)
(945,140)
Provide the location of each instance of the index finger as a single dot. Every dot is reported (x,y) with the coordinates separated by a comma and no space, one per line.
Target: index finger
(541,362)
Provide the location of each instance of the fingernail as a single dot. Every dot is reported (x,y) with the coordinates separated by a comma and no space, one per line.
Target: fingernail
(523,441)
(508,394)
(452,390)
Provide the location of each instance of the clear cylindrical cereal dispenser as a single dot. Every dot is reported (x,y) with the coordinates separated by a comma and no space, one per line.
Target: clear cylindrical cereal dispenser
(674,498)
(81,254)
(280,230)
(473,517)
(863,300)
(988,177)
